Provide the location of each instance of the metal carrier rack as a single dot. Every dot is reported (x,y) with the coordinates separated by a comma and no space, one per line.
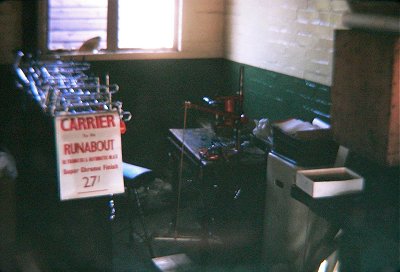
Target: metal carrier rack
(61,87)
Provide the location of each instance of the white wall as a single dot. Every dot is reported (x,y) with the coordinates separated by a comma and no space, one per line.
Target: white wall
(293,37)
(203,27)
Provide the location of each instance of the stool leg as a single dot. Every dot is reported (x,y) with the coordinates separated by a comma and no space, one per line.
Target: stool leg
(130,216)
(147,238)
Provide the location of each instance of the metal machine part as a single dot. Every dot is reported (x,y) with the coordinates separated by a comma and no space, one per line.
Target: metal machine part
(229,117)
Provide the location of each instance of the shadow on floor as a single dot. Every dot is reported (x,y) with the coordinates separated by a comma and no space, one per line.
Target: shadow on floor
(226,247)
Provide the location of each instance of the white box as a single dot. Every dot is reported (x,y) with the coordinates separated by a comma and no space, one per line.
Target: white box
(328,182)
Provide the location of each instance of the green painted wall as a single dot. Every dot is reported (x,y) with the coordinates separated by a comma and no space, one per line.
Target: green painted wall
(154,91)
(278,96)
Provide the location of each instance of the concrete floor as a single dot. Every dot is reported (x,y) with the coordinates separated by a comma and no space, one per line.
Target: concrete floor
(226,250)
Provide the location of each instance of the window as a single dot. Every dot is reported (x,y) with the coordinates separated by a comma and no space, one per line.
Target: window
(120,24)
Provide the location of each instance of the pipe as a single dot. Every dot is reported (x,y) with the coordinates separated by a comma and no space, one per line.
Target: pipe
(372,22)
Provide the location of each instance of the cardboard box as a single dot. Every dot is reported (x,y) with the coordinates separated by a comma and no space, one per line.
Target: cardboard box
(309,148)
(328,182)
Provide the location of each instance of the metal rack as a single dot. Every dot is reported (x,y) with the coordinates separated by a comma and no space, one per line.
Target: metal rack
(62,87)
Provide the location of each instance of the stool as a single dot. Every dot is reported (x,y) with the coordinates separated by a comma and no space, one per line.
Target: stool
(134,177)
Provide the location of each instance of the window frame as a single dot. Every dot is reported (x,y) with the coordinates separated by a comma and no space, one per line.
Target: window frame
(112,51)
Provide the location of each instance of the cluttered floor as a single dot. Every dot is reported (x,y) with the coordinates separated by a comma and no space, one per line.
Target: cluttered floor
(177,241)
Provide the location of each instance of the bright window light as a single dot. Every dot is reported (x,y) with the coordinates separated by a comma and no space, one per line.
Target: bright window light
(146,24)
(120,24)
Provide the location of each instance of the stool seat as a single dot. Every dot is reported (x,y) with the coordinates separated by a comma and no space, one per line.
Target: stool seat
(136,176)
(134,172)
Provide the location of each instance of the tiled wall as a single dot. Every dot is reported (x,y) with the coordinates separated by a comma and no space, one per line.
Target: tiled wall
(277,96)
(292,37)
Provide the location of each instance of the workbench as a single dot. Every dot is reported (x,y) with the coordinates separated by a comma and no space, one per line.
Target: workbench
(231,188)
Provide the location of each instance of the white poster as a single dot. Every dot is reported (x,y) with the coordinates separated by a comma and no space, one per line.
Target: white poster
(89,156)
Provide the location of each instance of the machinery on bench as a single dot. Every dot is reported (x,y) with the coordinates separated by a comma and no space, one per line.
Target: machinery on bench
(229,121)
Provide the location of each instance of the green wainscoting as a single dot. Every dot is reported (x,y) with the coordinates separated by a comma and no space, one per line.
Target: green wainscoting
(277,96)
(154,91)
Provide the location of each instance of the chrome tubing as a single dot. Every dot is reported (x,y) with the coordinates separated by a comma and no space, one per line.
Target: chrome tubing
(64,87)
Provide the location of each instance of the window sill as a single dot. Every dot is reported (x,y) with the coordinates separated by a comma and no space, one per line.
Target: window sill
(127,55)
